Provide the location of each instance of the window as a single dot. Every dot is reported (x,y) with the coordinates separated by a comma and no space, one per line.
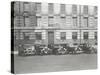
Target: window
(38,36)
(16,21)
(38,7)
(50,8)
(63,35)
(85,9)
(95,35)
(74,35)
(63,21)
(15,35)
(39,21)
(26,35)
(33,20)
(50,21)
(74,21)
(26,21)
(95,10)
(74,9)
(62,9)
(86,21)
(18,35)
(85,35)
(26,7)
(95,21)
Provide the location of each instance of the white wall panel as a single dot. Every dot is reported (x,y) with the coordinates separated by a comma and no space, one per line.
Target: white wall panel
(91,21)
(91,10)
(44,34)
(44,8)
(56,8)
(44,21)
(69,9)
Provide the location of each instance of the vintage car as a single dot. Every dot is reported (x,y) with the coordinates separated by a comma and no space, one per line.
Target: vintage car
(46,51)
(27,49)
(70,50)
(93,49)
(59,50)
(30,51)
(78,50)
(62,50)
(86,48)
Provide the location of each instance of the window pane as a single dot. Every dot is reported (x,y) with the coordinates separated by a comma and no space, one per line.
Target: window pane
(16,21)
(50,8)
(74,21)
(27,21)
(39,21)
(38,36)
(74,9)
(26,6)
(86,21)
(50,21)
(26,35)
(62,8)
(85,10)
(63,35)
(85,35)
(95,10)
(95,35)
(63,20)
(95,21)
(15,35)
(38,7)
(74,35)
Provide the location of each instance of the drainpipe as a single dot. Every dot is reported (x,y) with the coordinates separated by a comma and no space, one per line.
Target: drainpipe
(80,21)
(19,29)
(19,23)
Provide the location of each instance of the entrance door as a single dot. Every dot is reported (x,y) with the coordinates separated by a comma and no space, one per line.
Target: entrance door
(50,37)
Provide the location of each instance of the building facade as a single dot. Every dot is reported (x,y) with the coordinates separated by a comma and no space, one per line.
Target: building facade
(52,23)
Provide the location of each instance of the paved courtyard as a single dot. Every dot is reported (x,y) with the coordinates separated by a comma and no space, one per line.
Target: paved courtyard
(55,63)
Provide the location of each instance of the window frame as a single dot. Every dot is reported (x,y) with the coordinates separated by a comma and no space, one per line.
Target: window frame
(39,20)
(95,36)
(75,21)
(74,9)
(37,34)
(95,10)
(85,10)
(86,21)
(26,36)
(62,8)
(50,8)
(24,5)
(63,35)
(85,35)
(74,35)
(38,7)
(50,24)
(25,24)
